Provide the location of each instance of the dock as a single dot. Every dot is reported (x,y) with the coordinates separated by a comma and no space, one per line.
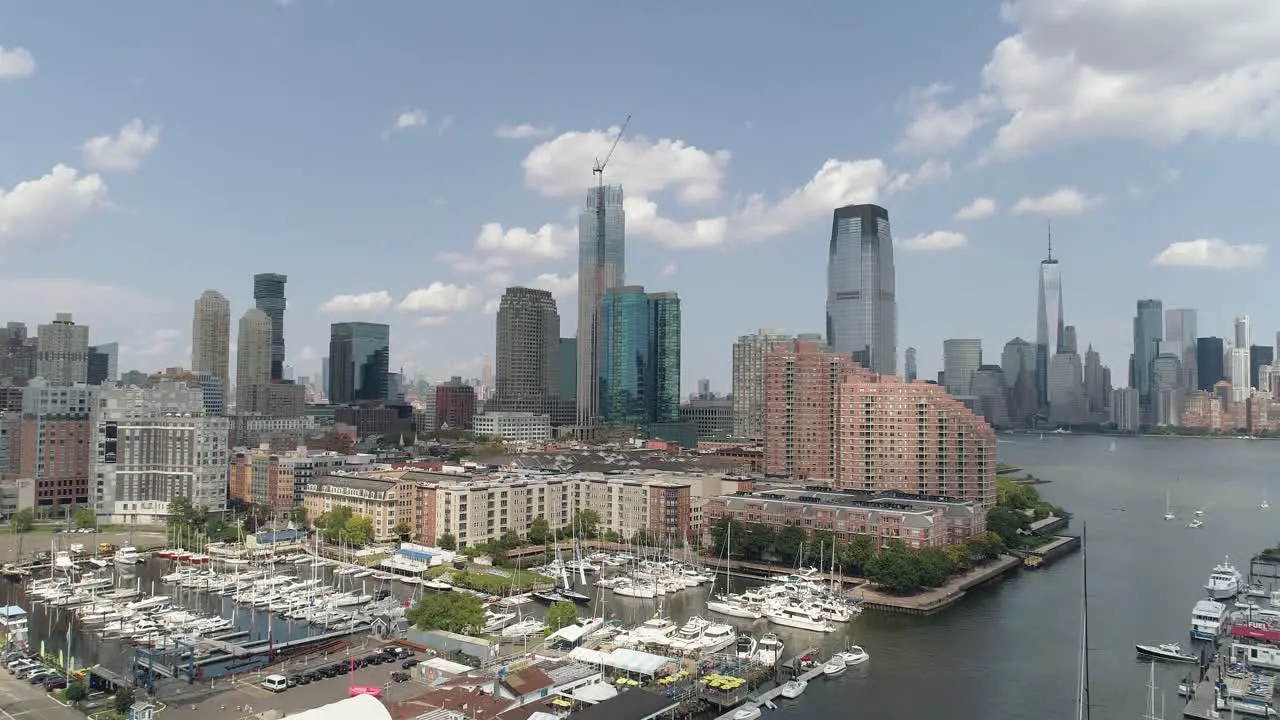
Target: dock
(768,696)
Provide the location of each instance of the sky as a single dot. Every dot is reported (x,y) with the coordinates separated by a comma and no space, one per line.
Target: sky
(404,162)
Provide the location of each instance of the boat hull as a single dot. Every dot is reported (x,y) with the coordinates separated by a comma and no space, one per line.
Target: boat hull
(1155,653)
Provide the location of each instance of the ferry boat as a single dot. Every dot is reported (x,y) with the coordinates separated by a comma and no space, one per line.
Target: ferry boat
(1206,619)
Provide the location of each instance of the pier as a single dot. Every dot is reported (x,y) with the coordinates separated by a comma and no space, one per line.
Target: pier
(937,599)
(768,696)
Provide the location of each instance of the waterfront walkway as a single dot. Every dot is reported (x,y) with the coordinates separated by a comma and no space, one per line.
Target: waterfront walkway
(934,600)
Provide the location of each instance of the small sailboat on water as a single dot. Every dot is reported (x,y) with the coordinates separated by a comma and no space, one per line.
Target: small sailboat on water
(1266,503)
(1168,509)
(1112,447)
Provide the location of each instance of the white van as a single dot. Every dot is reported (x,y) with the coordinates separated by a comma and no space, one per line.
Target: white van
(275,683)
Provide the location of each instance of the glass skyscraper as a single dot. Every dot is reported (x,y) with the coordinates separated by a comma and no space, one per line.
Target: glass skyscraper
(625,368)
(862,308)
(268,296)
(359,362)
(1050,325)
(664,353)
(1148,331)
(601,267)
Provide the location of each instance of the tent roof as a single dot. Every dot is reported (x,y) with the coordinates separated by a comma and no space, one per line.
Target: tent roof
(624,659)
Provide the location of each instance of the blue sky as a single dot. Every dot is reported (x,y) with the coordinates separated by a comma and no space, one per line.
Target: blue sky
(153,150)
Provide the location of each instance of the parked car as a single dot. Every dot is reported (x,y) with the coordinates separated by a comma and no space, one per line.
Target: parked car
(57,682)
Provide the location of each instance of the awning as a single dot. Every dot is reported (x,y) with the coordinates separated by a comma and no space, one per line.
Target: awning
(594,693)
(568,633)
(632,661)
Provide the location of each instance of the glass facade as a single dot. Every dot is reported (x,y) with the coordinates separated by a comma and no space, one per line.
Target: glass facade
(862,308)
(601,267)
(625,368)
(664,351)
(1049,323)
(1148,331)
(359,362)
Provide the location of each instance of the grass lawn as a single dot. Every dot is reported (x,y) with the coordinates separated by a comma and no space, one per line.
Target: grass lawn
(490,579)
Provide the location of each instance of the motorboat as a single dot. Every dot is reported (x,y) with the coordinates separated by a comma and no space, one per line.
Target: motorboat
(746,647)
(549,597)
(439,585)
(798,617)
(733,607)
(575,596)
(1206,619)
(656,630)
(495,621)
(516,600)
(1195,523)
(855,655)
(1169,652)
(769,650)
(1199,513)
(1224,581)
(525,628)
(834,667)
(750,712)
(793,689)
(629,588)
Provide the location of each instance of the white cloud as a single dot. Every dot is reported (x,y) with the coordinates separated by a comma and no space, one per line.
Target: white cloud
(980,208)
(1212,254)
(92,302)
(643,219)
(549,242)
(667,270)
(123,152)
(562,286)
(146,346)
(929,171)
(837,183)
(1157,71)
(934,241)
(561,167)
(370,302)
(441,297)
(523,131)
(44,209)
(490,306)
(432,320)
(934,128)
(411,119)
(1059,203)
(17,62)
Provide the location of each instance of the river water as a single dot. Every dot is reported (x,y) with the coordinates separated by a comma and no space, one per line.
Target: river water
(1010,650)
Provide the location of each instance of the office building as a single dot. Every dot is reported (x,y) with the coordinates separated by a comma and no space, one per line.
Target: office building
(253,361)
(56,443)
(992,393)
(664,357)
(1126,413)
(359,362)
(1166,389)
(528,352)
(1018,362)
(455,404)
(960,360)
(99,365)
(268,296)
(1259,356)
(567,360)
(749,354)
(601,267)
(1180,339)
(1050,324)
(862,308)
(513,427)
(1210,352)
(1238,373)
(324,377)
(1067,403)
(625,369)
(154,444)
(62,351)
(1148,332)
(712,417)
(909,365)
(1096,391)
(1243,335)
(17,352)
(211,336)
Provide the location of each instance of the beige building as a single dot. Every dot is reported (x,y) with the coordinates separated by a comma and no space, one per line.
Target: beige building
(211,337)
(253,361)
(62,351)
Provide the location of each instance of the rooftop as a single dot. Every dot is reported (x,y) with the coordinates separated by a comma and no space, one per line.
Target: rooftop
(633,704)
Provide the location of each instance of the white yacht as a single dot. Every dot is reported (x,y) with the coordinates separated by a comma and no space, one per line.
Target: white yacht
(798,617)
(689,634)
(855,655)
(525,628)
(127,556)
(1224,581)
(793,689)
(631,589)
(495,621)
(768,650)
(1197,523)
(834,667)
(733,607)
(657,630)
(712,638)
(1206,619)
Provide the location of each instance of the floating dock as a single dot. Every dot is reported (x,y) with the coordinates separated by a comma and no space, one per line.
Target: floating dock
(767,697)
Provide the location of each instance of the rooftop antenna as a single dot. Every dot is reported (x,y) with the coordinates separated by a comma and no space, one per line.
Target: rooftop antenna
(1050,224)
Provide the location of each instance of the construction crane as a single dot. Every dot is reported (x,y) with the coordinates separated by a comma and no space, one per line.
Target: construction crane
(587,415)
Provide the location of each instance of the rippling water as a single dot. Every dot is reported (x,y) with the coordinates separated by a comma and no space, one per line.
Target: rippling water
(1011,649)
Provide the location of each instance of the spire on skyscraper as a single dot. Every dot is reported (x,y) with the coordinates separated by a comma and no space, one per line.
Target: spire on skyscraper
(1050,225)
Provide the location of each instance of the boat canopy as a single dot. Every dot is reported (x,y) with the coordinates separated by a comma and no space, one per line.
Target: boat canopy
(624,659)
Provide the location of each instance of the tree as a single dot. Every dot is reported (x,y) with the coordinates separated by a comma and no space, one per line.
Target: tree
(936,566)
(561,613)
(183,514)
(402,530)
(509,540)
(724,531)
(1008,524)
(299,515)
(539,530)
(75,692)
(896,569)
(23,520)
(86,518)
(586,523)
(332,524)
(123,701)
(786,546)
(855,556)
(358,530)
(447,542)
(458,612)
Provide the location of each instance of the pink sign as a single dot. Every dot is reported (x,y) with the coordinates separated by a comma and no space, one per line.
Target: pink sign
(373,690)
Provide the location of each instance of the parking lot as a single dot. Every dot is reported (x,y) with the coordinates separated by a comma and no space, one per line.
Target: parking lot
(20,700)
(34,542)
(247,697)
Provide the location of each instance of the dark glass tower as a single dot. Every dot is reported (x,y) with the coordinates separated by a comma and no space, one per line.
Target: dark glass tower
(268,296)
(862,307)
(359,362)
(625,369)
(1209,370)
(664,355)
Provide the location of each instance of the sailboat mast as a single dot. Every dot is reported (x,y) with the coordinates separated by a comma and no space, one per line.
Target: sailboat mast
(1082,711)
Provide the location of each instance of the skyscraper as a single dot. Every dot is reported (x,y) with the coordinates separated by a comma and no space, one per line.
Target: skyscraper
(1018,362)
(1148,331)
(862,308)
(359,362)
(528,351)
(624,356)
(211,337)
(909,365)
(1242,333)
(1050,324)
(749,354)
(62,351)
(253,360)
(1238,373)
(1180,340)
(1259,356)
(1209,357)
(268,296)
(664,355)
(961,358)
(601,267)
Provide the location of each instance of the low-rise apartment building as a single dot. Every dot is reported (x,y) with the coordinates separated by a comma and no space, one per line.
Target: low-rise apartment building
(277,480)
(885,516)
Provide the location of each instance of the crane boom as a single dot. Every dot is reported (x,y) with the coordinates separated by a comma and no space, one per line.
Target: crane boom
(600,165)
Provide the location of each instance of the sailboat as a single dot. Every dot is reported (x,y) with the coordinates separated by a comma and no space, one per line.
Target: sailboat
(1266,503)
(568,593)
(1112,447)
(1151,697)
(1168,512)
(727,604)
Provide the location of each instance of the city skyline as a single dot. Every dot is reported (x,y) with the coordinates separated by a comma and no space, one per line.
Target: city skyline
(721,195)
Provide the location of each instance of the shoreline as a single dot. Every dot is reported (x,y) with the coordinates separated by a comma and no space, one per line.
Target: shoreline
(1172,436)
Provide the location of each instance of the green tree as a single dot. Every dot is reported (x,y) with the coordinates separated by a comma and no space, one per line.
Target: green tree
(447,541)
(123,701)
(726,530)
(539,530)
(402,530)
(896,569)
(561,613)
(509,541)
(23,520)
(75,692)
(458,612)
(855,556)
(332,524)
(611,536)
(759,540)
(961,556)
(299,516)
(586,523)
(936,566)
(987,546)
(358,530)
(1008,524)
(786,546)
(85,517)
